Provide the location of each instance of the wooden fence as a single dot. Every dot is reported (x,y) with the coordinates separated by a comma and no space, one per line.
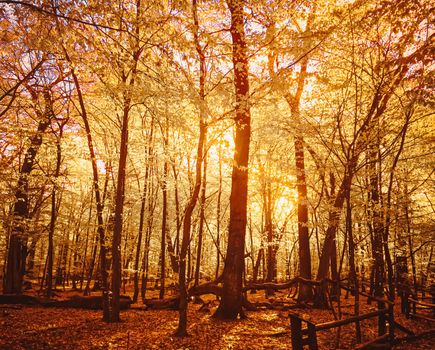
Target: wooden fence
(302,335)
(410,306)
(304,332)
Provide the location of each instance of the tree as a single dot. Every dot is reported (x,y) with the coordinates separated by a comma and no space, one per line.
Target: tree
(17,252)
(128,77)
(145,193)
(99,198)
(231,303)
(54,207)
(187,221)
(388,75)
(294,101)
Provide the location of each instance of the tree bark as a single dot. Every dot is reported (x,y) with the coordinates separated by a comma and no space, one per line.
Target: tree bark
(201,218)
(176,250)
(16,262)
(352,269)
(142,213)
(91,266)
(53,217)
(85,254)
(187,220)
(231,303)
(294,101)
(268,225)
(145,262)
(391,284)
(218,214)
(98,198)
(164,218)
(333,222)
(119,210)
(409,236)
(128,78)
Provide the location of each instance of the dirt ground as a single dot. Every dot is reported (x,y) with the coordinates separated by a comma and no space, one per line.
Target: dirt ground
(35,327)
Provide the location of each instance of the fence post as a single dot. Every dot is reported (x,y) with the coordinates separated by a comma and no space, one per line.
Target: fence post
(382,329)
(312,336)
(407,306)
(402,303)
(296,329)
(391,322)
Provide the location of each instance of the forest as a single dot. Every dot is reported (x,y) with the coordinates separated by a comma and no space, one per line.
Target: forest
(217,174)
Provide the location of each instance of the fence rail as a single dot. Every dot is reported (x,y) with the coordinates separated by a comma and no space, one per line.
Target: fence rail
(304,332)
(308,336)
(410,308)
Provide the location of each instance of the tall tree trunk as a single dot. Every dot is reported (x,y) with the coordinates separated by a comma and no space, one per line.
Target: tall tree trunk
(85,255)
(145,262)
(128,256)
(268,225)
(409,236)
(378,225)
(91,266)
(187,223)
(352,268)
(171,251)
(294,101)
(231,303)
(256,267)
(53,217)
(391,284)
(334,270)
(378,228)
(119,209)
(97,192)
(62,256)
(142,212)
(187,220)
(31,250)
(16,262)
(334,220)
(303,234)
(177,214)
(128,80)
(218,214)
(201,218)
(164,219)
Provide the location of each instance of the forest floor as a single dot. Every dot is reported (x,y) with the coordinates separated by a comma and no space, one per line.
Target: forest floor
(36,327)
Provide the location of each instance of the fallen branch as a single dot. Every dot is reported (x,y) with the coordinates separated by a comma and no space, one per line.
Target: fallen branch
(163,304)
(89,302)
(278,286)
(207,288)
(173,303)
(19,299)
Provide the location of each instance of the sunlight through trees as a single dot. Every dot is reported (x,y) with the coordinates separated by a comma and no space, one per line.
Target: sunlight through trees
(169,150)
